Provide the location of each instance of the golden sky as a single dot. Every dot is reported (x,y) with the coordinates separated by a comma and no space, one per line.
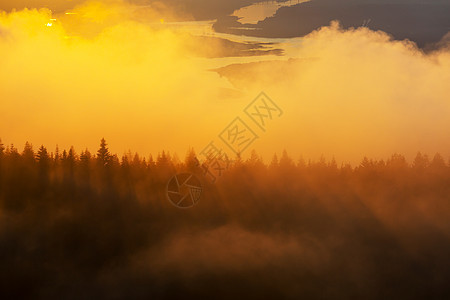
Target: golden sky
(108,70)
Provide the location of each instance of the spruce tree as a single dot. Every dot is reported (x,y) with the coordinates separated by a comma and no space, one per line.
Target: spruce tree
(103,154)
(2,148)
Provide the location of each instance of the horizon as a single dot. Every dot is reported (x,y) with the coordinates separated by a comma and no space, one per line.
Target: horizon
(178,158)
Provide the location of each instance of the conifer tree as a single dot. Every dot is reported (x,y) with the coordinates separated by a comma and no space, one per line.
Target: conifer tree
(42,156)
(103,154)
(28,153)
(2,148)
(191,162)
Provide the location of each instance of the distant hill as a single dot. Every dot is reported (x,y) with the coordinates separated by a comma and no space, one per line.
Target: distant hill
(421,21)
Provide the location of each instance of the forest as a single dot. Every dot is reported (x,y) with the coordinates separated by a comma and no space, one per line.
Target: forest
(95,225)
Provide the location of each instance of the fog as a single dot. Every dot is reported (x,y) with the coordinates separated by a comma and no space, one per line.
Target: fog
(83,226)
(110,69)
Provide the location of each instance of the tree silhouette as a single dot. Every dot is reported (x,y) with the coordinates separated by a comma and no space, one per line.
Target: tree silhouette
(2,148)
(44,167)
(438,162)
(274,163)
(191,162)
(2,151)
(57,154)
(68,213)
(28,153)
(103,154)
(421,162)
(85,157)
(285,161)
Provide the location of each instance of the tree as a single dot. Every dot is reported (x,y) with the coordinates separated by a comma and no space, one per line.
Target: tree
(151,162)
(237,163)
(333,164)
(85,160)
(437,165)
(421,162)
(2,148)
(28,153)
(103,154)
(125,163)
(136,160)
(70,160)
(255,159)
(397,162)
(85,157)
(42,156)
(44,166)
(274,163)
(115,161)
(72,155)
(191,162)
(162,160)
(13,152)
(366,163)
(68,166)
(285,161)
(438,162)
(301,163)
(57,155)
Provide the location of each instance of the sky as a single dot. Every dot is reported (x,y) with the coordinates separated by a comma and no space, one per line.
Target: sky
(150,77)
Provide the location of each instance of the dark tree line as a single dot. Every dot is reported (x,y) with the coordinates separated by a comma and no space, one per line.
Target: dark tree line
(93,225)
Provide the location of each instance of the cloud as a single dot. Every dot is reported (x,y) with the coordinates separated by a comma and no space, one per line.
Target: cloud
(109,71)
(100,72)
(229,248)
(355,92)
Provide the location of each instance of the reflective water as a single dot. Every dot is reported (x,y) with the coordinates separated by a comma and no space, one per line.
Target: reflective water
(261,10)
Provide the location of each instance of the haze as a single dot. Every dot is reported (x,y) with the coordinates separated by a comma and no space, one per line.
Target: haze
(125,72)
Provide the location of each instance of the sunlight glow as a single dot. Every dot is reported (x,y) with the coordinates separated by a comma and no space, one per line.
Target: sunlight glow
(133,74)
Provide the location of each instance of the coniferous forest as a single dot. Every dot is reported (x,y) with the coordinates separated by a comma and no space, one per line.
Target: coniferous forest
(93,225)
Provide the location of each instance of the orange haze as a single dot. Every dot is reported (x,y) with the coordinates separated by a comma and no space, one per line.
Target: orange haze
(106,71)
